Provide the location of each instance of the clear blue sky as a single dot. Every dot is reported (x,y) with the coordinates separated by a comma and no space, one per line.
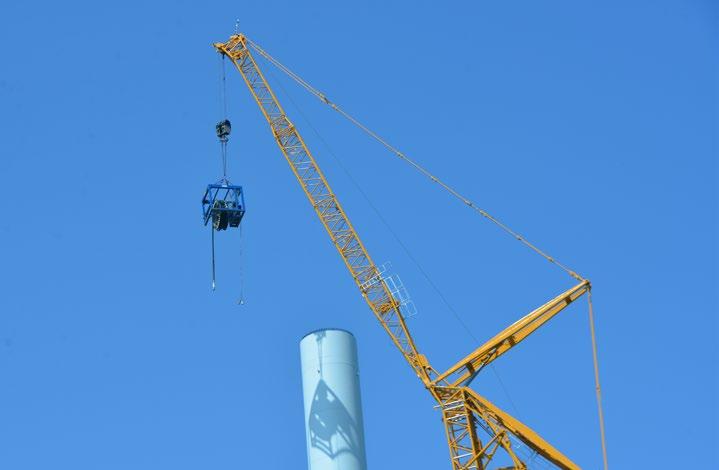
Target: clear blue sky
(590,127)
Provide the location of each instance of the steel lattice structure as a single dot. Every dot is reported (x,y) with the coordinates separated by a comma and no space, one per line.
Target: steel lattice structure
(476,429)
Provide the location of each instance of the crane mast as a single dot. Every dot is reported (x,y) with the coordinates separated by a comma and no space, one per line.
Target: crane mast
(465,413)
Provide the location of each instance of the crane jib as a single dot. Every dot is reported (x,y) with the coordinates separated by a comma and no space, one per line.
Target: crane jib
(464,412)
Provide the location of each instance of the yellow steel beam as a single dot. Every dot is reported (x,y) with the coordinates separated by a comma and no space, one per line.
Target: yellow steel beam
(326,205)
(464,412)
(492,413)
(465,369)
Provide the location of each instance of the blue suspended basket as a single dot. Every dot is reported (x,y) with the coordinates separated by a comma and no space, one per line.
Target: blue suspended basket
(224,205)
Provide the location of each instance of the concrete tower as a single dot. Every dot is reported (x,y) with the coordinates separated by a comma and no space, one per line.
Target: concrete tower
(333,408)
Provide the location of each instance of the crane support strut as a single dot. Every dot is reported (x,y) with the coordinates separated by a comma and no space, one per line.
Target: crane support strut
(468,367)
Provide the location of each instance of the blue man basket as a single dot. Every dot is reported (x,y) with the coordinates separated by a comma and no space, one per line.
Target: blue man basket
(224,205)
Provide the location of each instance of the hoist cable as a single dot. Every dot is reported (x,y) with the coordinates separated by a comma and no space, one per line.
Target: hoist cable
(223,150)
(223,90)
(411,162)
(596,380)
(241,301)
(223,99)
(322,97)
(225,181)
(394,234)
(212,231)
(220,83)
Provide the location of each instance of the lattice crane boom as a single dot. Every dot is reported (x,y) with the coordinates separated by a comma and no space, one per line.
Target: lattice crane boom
(464,412)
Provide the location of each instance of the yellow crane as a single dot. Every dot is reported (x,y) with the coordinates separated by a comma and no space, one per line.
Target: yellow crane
(476,429)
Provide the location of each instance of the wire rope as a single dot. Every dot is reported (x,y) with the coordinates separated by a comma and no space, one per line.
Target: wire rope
(223,94)
(598,388)
(399,241)
(456,194)
(322,97)
(212,232)
(241,301)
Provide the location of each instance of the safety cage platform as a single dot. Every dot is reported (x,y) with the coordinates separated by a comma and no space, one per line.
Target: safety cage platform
(224,204)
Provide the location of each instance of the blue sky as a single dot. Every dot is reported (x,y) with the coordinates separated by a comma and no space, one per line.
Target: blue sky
(590,127)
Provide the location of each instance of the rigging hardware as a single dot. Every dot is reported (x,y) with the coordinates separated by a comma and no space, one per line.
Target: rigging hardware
(223,204)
